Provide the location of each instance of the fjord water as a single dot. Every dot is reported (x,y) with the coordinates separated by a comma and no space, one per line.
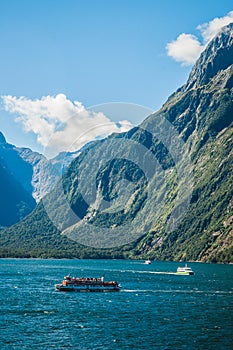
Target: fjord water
(154,310)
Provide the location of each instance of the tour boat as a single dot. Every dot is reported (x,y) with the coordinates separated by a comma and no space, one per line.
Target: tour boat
(184,270)
(85,284)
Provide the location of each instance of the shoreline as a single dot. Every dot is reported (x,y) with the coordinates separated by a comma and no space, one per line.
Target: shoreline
(133,260)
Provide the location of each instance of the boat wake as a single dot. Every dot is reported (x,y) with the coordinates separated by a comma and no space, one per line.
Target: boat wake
(151,272)
(143,271)
(209,292)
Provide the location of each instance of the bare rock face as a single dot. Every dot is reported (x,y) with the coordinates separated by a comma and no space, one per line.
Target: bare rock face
(26,177)
(2,138)
(34,172)
(217,56)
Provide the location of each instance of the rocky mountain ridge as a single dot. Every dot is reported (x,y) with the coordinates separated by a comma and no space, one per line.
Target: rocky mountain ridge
(201,112)
(216,57)
(31,172)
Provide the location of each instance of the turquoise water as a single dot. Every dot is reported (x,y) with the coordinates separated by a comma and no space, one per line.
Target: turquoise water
(154,310)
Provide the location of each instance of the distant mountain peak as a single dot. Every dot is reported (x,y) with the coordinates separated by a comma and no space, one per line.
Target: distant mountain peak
(217,56)
(2,138)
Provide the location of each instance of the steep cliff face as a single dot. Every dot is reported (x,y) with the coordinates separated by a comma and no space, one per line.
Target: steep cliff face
(203,106)
(15,202)
(201,112)
(2,138)
(33,176)
(218,56)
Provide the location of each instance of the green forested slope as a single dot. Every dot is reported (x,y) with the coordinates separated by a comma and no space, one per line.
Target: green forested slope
(202,113)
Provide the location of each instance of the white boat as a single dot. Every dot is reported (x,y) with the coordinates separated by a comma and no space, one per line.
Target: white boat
(184,270)
(147,262)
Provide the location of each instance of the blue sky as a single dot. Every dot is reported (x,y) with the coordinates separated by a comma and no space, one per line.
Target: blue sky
(94,52)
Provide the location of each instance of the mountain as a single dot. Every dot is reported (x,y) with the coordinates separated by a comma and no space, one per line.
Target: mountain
(15,202)
(28,175)
(24,165)
(164,188)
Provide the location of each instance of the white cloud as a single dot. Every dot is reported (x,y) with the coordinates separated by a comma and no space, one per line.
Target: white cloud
(60,124)
(210,29)
(187,47)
